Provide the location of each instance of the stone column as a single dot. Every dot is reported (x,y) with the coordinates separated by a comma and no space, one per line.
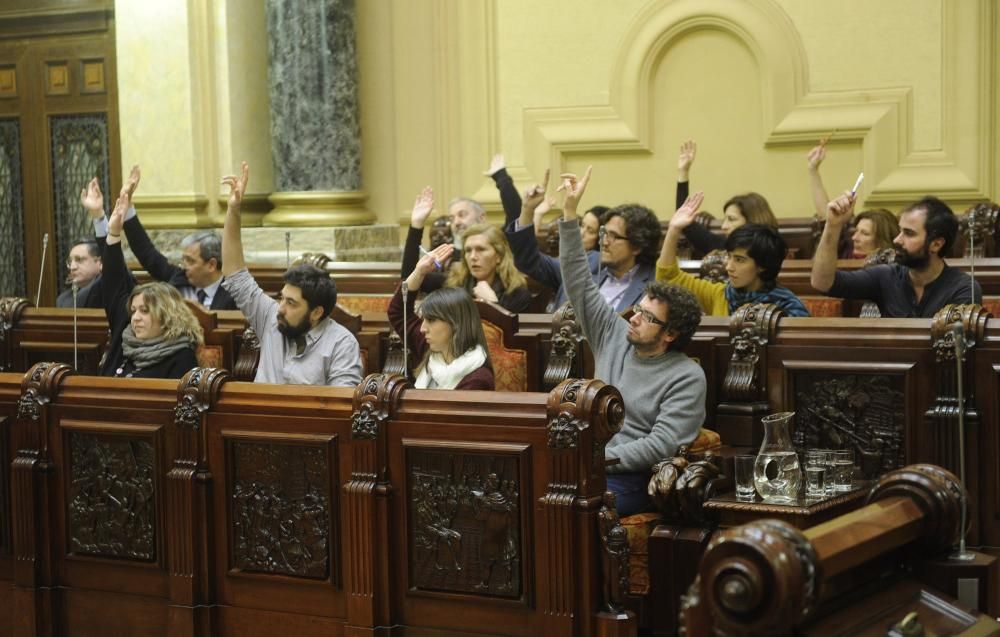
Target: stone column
(315,135)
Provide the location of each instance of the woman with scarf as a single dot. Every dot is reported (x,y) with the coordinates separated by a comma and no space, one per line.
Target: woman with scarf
(445,333)
(755,253)
(154,334)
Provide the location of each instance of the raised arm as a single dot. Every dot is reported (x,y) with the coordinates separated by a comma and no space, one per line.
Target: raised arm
(681,219)
(509,196)
(117,281)
(824,268)
(684,160)
(532,200)
(816,189)
(232,240)
(423,205)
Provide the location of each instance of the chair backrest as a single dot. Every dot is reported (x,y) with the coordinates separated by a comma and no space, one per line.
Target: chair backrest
(515,365)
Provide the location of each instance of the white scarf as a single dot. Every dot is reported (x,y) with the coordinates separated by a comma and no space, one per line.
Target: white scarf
(448,375)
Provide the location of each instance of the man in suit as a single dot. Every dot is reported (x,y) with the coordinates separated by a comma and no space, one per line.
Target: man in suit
(84,265)
(198,278)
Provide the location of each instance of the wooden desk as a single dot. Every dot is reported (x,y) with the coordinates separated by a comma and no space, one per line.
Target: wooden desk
(804,513)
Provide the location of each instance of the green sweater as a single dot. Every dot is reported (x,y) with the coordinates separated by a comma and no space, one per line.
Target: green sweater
(664,395)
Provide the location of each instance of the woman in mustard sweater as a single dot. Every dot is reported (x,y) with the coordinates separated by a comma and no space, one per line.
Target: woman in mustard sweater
(755,254)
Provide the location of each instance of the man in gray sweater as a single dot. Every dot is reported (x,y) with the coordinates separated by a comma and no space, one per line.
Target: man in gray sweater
(663,389)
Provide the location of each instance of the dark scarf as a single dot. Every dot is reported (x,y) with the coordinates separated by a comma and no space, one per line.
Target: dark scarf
(782,297)
(148,352)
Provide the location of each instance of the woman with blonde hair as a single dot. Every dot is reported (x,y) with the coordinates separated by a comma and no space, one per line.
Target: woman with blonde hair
(154,334)
(445,333)
(486,269)
(874,230)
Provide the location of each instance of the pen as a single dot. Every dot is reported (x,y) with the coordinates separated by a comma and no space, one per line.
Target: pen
(857,184)
(437,263)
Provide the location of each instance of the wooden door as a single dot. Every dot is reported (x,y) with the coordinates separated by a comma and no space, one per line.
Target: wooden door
(58,129)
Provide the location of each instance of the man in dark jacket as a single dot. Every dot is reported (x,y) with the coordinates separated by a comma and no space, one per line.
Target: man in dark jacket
(198,278)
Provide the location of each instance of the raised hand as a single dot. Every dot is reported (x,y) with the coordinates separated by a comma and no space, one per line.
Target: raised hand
(434,260)
(840,210)
(131,183)
(685,158)
(686,213)
(422,207)
(534,196)
(92,199)
(816,157)
(237,187)
(496,165)
(545,206)
(117,218)
(574,189)
(484,292)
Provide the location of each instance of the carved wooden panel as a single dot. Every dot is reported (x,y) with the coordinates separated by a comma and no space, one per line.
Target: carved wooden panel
(280,503)
(863,412)
(57,78)
(5,459)
(111,497)
(8,81)
(465,522)
(93,76)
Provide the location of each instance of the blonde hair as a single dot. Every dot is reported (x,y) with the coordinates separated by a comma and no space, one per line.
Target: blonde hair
(166,304)
(509,275)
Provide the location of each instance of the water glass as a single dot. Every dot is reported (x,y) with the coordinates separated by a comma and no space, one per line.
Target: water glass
(743,477)
(843,469)
(815,481)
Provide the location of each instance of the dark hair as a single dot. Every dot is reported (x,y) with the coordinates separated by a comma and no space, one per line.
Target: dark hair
(209,245)
(683,311)
(318,289)
(91,243)
(455,307)
(598,210)
(885,224)
(642,229)
(940,222)
(754,208)
(763,244)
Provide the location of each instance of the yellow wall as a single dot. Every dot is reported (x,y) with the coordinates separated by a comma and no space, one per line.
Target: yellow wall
(911,86)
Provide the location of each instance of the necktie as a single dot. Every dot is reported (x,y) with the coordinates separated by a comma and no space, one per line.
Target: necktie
(201,296)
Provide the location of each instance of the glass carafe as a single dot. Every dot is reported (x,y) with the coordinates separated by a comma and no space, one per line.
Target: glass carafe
(776,473)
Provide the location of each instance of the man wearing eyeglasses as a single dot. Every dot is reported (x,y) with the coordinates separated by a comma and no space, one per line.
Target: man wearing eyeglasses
(84,270)
(662,388)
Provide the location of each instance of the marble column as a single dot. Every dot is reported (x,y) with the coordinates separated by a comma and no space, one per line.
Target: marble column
(315,135)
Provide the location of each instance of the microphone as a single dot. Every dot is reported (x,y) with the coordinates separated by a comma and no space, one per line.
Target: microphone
(288,249)
(972,257)
(406,349)
(41,270)
(76,342)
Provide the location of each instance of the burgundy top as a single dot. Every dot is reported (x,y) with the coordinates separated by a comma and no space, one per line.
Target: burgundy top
(481,378)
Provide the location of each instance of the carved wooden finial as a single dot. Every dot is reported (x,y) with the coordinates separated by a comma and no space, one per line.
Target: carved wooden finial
(971,317)
(980,222)
(374,403)
(566,338)
(196,393)
(751,327)
(40,386)
(759,576)
(936,491)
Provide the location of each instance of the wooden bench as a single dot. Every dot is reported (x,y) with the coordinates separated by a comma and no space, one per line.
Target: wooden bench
(215,507)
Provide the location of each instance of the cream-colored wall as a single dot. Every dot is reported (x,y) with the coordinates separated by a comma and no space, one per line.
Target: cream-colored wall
(911,86)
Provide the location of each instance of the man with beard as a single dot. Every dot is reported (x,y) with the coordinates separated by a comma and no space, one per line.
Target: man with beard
(663,390)
(919,283)
(299,343)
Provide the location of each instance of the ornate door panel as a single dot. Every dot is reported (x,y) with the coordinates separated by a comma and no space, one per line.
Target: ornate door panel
(58,129)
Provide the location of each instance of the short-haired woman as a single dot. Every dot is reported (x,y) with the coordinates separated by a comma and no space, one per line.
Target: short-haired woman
(445,334)
(154,334)
(874,230)
(755,254)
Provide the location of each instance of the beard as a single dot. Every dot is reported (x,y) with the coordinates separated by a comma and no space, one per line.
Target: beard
(917,261)
(296,330)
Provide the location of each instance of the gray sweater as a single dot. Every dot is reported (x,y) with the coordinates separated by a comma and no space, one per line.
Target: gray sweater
(664,395)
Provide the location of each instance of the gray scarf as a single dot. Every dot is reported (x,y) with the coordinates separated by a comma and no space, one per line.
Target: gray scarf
(145,353)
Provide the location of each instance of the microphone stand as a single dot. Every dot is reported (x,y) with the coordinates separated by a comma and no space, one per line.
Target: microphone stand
(41,269)
(960,347)
(406,349)
(76,342)
(288,249)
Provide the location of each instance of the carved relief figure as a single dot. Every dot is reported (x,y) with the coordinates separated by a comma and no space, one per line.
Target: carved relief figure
(616,553)
(494,507)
